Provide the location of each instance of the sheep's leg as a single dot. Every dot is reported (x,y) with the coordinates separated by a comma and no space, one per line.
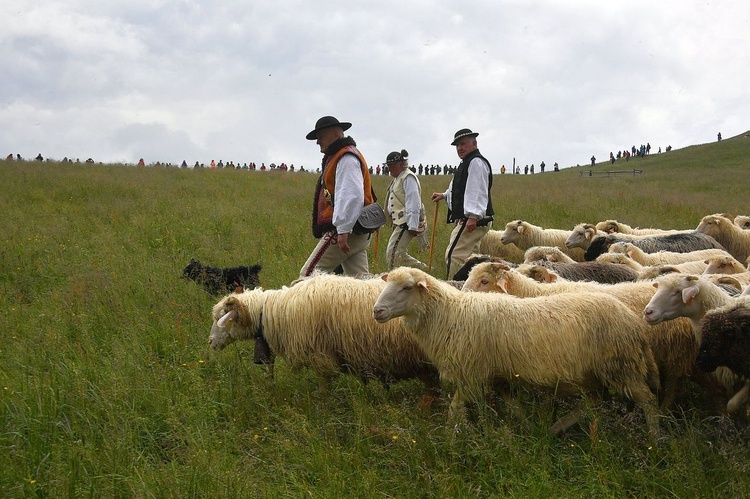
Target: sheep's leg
(670,391)
(565,422)
(502,388)
(458,404)
(645,399)
(739,399)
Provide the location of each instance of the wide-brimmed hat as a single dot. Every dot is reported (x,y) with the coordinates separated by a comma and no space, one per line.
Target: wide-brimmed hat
(325,122)
(395,157)
(464,132)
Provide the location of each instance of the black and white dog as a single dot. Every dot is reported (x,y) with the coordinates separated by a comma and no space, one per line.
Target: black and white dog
(219,281)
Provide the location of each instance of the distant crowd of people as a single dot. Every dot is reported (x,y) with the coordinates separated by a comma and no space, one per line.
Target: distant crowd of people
(634,151)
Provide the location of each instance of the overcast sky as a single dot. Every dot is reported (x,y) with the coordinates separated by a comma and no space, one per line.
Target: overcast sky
(244,81)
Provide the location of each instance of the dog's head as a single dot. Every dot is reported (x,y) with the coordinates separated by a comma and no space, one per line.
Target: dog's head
(192,270)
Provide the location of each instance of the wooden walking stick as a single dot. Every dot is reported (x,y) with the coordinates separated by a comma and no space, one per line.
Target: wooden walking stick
(432,237)
(375,246)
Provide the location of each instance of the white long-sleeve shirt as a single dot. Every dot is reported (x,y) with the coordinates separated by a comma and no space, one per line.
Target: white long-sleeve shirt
(477,189)
(349,195)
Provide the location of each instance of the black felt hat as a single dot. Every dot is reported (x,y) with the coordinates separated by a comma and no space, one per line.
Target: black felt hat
(395,157)
(325,122)
(464,132)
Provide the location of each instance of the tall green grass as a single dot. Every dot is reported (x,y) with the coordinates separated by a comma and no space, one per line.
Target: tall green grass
(108,387)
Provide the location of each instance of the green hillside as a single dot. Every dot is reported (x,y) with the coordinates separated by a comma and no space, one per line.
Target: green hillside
(108,387)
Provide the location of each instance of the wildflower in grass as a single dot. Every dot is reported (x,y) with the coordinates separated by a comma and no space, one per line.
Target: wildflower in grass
(394,437)
(256,436)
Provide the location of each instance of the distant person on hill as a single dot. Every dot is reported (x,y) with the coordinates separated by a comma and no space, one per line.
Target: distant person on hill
(9,157)
(718,136)
(342,190)
(404,211)
(593,161)
(557,168)
(502,170)
(39,157)
(541,167)
(469,200)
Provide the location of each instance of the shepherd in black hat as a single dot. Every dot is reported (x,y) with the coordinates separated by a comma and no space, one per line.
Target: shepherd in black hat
(469,200)
(404,212)
(343,189)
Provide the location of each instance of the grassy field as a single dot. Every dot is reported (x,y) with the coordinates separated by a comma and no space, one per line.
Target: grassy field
(108,387)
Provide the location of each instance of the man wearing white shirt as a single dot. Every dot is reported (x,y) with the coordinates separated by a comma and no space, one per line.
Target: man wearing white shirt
(469,200)
(343,189)
(404,211)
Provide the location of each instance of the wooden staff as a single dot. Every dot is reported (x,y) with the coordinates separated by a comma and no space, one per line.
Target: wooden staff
(432,238)
(375,242)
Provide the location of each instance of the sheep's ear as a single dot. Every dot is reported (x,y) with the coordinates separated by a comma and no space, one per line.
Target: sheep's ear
(588,234)
(689,294)
(384,277)
(612,230)
(423,285)
(630,253)
(551,277)
(227,318)
(497,267)
(520,229)
(502,283)
(656,285)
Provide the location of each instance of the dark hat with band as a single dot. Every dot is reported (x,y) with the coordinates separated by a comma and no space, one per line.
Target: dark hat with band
(395,157)
(325,122)
(464,132)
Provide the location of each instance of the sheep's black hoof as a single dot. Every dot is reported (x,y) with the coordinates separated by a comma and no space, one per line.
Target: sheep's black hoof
(262,352)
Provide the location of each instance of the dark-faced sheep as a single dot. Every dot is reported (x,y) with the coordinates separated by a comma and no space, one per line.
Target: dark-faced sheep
(725,333)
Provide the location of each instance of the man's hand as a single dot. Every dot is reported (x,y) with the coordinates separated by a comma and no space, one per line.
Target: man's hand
(343,241)
(471,224)
(436,196)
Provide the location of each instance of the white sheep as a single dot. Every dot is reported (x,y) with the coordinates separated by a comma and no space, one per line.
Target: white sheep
(742,221)
(728,265)
(647,272)
(620,259)
(525,235)
(673,346)
(582,235)
(554,342)
(323,323)
(735,240)
(611,226)
(687,296)
(547,254)
(491,245)
(663,257)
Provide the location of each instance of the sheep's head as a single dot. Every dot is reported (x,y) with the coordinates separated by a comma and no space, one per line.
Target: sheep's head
(581,236)
(401,293)
(723,265)
(675,297)
(538,273)
(609,226)
(742,221)
(488,277)
(713,225)
(512,231)
(236,317)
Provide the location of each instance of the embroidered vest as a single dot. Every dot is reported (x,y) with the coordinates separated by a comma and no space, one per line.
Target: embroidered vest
(458,191)
(396,200)
(322,221)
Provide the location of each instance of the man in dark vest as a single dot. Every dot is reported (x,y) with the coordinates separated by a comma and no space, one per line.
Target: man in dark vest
(343,189)
(469,200)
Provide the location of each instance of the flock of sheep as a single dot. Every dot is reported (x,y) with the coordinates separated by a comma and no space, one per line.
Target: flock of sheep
(602,309)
